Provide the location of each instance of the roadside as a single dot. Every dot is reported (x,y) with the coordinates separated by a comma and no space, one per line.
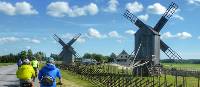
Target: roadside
(72,80)
(6,64)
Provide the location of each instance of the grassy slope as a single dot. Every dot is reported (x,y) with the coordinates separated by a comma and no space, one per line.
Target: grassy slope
(182,66)
(74,79)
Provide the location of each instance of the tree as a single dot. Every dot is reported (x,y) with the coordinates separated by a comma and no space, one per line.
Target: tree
(30,54)
(112,57)
(23,54)
(56,57)
(40,56)
(87,56)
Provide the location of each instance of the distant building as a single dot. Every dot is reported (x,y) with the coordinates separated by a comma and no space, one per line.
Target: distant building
(123,58)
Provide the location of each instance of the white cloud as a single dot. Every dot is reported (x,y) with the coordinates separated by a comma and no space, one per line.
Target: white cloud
(25,8)
(156,8)
(134,7)
(92,32)
(92,9)
(159,9)
(144,17)
(119,40)
(184,35)
(198,37)
(15,39)
(7,8)
(35,41)
(178,17)
(28,47)
(61,9)
(22,8)
(181,35)
(114,34)
(112,6)
(130,32)
(167,35)
(30,40)
(195,2)
(8,39)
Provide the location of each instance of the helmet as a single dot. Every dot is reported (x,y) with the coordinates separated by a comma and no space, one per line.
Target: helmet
(50,60)
(26,61)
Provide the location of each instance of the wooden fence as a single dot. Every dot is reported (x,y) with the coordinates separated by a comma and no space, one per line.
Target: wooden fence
(112,76)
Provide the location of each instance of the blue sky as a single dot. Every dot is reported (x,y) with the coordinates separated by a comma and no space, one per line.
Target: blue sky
(29,24)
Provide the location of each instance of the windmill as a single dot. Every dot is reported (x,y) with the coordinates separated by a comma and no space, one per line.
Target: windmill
(68,53)
(148,42)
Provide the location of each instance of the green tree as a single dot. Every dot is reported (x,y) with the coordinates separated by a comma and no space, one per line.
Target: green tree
(87,56)
(40,56)
(23,54)
(30,54)
(112,57)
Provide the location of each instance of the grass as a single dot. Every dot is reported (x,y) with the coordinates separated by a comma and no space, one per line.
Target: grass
(5,64)
(75,80)
(182,66)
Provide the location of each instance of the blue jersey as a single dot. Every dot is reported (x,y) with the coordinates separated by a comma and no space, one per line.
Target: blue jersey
(19,63)
(52,71)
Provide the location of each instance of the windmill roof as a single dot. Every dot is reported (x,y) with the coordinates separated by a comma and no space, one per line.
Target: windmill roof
(124,52)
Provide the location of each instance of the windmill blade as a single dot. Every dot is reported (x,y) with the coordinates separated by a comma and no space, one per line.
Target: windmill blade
(73,39)
(75,54)
(169,52)
(59,40)
(168,13)
(134,20)
(141,64)
(61,53)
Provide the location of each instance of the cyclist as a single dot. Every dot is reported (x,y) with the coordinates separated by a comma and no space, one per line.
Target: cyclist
(25,73)
(19,63)
(47,75)
(35,65)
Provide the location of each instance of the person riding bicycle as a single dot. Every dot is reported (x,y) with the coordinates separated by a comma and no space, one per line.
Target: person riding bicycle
(25,73)
(19,63)
(48,74)
(35,65)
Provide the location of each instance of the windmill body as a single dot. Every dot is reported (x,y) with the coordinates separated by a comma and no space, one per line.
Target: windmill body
(68,53)
(150,45)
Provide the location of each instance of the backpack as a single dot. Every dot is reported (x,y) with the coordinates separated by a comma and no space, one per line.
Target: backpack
(47,80)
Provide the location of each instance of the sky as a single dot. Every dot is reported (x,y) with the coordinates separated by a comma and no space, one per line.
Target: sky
(30,24)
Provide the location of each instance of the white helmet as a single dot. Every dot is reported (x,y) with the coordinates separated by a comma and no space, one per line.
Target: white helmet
(26,61)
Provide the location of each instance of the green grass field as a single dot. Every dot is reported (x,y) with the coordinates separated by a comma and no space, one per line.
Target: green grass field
(69,76)
(182,66)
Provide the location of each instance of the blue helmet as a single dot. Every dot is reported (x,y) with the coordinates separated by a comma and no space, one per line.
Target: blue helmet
(50,60)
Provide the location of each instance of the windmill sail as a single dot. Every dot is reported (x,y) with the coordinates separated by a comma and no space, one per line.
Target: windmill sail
(73,40)
(59,40)
(61,53)
(169,12)
(169,52)
(134,20)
